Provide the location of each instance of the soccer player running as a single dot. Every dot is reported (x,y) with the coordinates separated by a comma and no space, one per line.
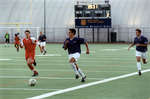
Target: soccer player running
(29,44)
(141,43)
(74,50)
(42,43)
(17,42)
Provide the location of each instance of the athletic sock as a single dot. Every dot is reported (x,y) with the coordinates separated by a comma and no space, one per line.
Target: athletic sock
(75,68)
(35,72)
(81,73)
(139,66)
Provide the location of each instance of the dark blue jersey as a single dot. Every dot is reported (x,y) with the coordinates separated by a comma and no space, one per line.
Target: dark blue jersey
(42,38)
(141,40)
(74,45)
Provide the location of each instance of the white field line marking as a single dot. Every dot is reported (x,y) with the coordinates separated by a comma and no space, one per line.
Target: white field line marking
(85,85)
(83,52)
(28,89)
(81,65)
(5,59)
(54,78)
(110,49)
(49,55)
(58,70)
(83,61)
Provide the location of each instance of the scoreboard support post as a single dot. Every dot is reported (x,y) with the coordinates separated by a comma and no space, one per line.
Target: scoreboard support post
(93,34)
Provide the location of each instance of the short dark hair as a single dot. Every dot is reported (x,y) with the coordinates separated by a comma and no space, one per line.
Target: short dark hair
(139,30)
(27,31)
(72,31)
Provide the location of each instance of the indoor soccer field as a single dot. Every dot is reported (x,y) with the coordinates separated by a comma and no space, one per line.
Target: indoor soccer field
(105,61)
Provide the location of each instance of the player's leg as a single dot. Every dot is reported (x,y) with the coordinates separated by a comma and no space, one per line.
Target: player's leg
(40,49)
(29,63)
(34,63)
(81,73)
(138,58)
(5,42)
(75,68)
(17,46)
(73,61)
(43,48)
(39,44)
(8,42)
(144,61)
(144,58)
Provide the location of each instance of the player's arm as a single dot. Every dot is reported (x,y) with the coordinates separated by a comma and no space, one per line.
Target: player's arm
(39,39)
(83,41)
(131,46)
(65,44)
(44,37)
(87,48)
(21,44)
(34,41)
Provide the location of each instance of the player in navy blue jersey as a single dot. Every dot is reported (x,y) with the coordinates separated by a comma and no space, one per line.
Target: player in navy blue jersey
(141,43)
(74,50)
(42,43)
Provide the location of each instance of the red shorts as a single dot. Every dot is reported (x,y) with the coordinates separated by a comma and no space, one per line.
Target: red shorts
(30,56)
(17,43)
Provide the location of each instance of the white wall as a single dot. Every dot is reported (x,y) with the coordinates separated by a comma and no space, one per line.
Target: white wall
(60,16)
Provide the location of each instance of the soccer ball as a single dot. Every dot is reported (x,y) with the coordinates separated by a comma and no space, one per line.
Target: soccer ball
(32,82)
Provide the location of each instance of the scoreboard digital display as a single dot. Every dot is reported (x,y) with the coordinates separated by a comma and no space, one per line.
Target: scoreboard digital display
(93,16)
(90,23)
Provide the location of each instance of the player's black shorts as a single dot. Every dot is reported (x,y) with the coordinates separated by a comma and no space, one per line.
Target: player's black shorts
(7,41)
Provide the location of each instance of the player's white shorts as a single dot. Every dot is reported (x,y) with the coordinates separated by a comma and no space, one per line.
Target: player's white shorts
(38,43)
(141,54)
(76,56)
(42,43)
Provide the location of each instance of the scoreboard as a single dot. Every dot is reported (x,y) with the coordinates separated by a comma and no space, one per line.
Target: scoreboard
(90,16)
(93,23)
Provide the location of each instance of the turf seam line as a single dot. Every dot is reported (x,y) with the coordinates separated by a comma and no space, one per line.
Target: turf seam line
(45,95)
(36,89)
(55,78)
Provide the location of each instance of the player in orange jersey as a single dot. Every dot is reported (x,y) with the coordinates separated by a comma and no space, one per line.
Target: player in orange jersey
(29,44)
(17,42)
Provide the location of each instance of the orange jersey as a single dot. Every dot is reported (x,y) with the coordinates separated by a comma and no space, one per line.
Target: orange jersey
(29,48)
(17,40)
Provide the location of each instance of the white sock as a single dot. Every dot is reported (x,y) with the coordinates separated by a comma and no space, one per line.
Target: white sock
(44,49)
(139,65)
(74,68)
(81,73)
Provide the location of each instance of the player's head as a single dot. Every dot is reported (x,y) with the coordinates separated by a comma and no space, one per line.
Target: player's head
(41,33)
(16,35)
(72,32)
(138,32)
(27,33)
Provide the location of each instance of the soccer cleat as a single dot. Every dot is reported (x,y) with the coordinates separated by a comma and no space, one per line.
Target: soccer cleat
(140,73)
(77,76)
(35,74)
(83,79)
(145,63)
(34,63)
